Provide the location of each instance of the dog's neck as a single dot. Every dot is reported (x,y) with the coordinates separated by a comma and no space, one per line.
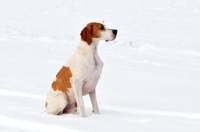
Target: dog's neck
(93,46)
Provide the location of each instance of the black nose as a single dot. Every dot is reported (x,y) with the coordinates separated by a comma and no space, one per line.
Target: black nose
(114,32)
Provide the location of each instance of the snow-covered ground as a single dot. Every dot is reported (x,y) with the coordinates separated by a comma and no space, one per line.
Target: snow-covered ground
(151,76)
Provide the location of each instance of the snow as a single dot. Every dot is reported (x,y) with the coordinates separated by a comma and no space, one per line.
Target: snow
(150,79)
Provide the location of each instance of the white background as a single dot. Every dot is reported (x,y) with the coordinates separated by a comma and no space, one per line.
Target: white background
(151,75)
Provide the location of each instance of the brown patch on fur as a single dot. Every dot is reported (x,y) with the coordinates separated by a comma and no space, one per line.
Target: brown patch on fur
(62,82)
(86,35)
(46,104)
(92,30)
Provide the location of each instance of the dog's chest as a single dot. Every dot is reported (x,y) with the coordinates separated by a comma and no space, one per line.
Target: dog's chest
(91,82)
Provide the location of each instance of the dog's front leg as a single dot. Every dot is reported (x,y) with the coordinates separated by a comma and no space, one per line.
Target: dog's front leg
(94,102)
(77,87)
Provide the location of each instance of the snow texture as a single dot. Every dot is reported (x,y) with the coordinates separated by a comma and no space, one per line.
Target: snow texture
(151,75)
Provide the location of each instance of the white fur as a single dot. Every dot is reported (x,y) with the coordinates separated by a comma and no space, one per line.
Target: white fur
(86,67)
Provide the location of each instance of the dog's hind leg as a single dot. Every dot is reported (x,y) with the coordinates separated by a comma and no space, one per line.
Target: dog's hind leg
(56,103)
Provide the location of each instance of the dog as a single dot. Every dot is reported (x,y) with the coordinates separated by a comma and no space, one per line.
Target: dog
(80,74)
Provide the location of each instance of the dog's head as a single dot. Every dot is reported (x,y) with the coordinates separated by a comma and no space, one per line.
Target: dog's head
(98,31)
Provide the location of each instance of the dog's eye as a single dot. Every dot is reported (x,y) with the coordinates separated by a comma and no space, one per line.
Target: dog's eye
(102,28)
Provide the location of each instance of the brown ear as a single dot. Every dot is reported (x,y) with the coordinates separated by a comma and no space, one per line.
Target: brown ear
(86,35)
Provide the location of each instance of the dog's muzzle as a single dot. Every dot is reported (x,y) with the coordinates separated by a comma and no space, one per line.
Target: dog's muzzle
(114,34)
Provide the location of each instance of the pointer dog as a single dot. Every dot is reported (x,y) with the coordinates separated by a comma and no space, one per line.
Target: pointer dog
(80,74)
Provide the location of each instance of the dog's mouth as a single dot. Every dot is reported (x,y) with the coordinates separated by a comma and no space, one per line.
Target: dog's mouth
(114,35)
(111,40)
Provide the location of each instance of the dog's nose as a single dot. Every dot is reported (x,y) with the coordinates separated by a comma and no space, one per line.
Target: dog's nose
(115,32)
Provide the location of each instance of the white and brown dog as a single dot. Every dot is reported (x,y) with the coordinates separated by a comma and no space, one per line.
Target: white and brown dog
(80,74)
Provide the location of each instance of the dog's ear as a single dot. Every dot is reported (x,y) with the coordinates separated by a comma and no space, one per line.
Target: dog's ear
(86,35)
